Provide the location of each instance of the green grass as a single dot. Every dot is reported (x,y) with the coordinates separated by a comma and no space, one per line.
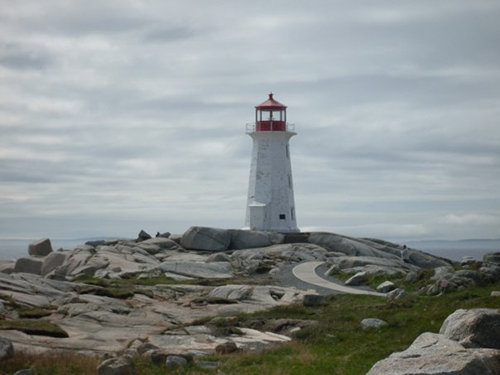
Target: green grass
(34,327)
(336,344)
(34,312)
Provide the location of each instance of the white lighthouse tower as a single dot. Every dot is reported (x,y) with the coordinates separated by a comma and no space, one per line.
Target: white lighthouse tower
(270,204)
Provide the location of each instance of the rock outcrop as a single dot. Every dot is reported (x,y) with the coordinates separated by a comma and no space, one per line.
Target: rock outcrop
(445,353)
(476,328)
(100,318)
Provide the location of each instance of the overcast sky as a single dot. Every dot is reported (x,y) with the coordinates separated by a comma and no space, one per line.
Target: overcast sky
(117,116)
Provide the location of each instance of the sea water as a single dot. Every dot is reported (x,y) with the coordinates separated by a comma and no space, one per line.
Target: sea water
(14,249)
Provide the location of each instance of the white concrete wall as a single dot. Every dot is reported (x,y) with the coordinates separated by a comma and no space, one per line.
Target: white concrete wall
(271,184)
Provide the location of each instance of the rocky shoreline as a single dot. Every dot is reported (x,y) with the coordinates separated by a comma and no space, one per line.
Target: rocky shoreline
(160,297)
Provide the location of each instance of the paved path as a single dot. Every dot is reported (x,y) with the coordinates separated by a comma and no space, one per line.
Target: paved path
(307,273)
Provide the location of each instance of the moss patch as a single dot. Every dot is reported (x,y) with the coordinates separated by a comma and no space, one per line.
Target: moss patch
(34,327)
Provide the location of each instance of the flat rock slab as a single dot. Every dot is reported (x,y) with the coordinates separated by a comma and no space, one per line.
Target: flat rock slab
(218,270)
(202,341)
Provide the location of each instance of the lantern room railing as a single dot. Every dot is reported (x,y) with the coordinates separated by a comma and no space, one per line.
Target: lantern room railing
(251,127)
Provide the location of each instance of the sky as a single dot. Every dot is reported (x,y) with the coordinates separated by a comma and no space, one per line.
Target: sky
(117,116)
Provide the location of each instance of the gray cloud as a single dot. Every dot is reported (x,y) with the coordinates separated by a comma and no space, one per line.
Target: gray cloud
(116,116)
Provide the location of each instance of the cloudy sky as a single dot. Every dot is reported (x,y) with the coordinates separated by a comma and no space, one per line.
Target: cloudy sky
(117,116)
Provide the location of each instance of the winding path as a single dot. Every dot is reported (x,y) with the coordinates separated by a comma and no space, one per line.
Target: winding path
(307,273)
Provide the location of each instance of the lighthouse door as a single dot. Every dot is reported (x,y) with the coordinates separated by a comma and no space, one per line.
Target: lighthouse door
(257,216)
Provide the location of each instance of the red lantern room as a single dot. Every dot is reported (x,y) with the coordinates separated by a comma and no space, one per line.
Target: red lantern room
(270,116)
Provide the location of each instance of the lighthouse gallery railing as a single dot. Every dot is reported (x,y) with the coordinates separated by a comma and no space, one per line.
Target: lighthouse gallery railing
(252,126)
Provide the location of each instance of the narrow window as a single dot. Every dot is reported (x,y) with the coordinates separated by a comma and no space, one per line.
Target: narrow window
(287,152)
(282,217)
(289,181)
(293,213)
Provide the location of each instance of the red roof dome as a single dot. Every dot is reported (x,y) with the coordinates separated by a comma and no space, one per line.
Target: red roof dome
(270,104)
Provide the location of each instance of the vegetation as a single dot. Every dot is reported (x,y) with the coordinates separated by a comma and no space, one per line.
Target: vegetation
(34,312)
(335,345)
(34,327)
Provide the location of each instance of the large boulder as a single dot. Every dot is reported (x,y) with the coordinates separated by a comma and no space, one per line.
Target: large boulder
(358,279)
(204,238)
(433,354)
(474,328)
(6,349)
(28,265)
(53,261)
(386,287)
(143,235)
(41,247)
(247,239)
(117,366)
(372,323)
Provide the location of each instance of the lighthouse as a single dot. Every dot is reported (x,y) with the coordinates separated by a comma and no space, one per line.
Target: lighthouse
(270,202)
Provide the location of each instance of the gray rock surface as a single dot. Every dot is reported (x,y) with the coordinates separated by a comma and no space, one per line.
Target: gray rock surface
(349,246)
(474,328)
(143,235)
(218,257)
(204,238)
(41,247)
(357,279)
(386,287)
(397,294)
(373,265)
(162,243)
(6,349)
(52,261)
(433,354)
(29,265)
(247,239)
(372,323)
(216,270)
(226,348)
(123,365)
(7,266)
(175,361)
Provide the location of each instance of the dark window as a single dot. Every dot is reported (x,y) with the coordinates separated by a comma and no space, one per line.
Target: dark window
(282,217)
